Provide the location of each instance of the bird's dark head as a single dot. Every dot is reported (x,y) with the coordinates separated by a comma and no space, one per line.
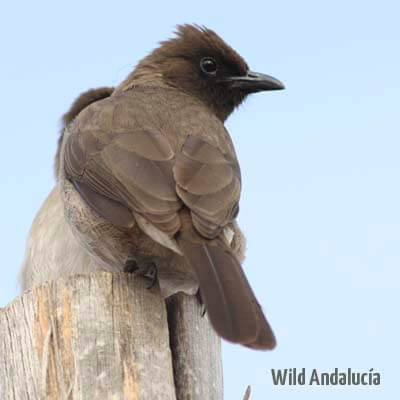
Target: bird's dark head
(198,62)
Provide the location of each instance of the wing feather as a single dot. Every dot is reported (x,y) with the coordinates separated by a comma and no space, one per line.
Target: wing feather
(138,170)
(208,182)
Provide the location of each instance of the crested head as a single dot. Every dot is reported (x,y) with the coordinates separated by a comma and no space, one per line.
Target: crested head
(198,62)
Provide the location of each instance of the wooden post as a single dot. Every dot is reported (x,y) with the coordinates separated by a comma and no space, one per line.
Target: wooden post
(196,350)
(106,336)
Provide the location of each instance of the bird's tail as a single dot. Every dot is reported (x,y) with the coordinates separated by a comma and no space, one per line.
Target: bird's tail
(231,305)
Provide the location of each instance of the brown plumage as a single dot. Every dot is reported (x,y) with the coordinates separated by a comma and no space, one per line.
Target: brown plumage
(81,102)
(157,170)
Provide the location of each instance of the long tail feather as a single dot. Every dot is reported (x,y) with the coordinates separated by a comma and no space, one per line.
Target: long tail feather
(231,305)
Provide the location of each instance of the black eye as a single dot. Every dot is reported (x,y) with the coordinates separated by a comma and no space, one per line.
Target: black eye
(208,65)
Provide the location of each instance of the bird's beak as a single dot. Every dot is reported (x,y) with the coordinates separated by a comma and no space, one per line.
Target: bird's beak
(255,82)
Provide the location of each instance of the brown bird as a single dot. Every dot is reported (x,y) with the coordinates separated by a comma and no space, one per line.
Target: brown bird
(149,175)
(52,251)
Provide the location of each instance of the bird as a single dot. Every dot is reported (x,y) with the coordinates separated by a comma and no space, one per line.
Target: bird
(51,250)
(150,180)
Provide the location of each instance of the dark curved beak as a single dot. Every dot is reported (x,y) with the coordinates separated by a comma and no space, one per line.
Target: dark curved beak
(255,82)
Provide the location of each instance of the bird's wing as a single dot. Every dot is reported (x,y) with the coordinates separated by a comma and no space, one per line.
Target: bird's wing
(208,182)
(120,169)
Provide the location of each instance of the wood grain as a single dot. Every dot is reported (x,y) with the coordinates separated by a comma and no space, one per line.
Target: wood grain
(196,351)
(102,336)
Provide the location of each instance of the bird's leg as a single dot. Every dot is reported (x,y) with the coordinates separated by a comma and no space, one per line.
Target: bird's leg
(143,267)
(151,273)
(131,266)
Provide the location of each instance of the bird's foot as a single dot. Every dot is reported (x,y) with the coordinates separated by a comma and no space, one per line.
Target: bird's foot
(147,269)
(151,273)
(131,266)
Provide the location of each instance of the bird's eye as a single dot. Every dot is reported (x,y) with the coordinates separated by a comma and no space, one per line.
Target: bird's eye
(208,65)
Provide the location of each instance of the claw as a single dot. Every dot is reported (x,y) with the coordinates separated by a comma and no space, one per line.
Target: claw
(151,273)
(131,266)
(203,308)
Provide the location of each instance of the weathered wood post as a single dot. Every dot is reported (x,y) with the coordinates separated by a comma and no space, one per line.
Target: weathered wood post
(106,336)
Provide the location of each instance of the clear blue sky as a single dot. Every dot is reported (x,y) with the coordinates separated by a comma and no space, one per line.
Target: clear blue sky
(320,162)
